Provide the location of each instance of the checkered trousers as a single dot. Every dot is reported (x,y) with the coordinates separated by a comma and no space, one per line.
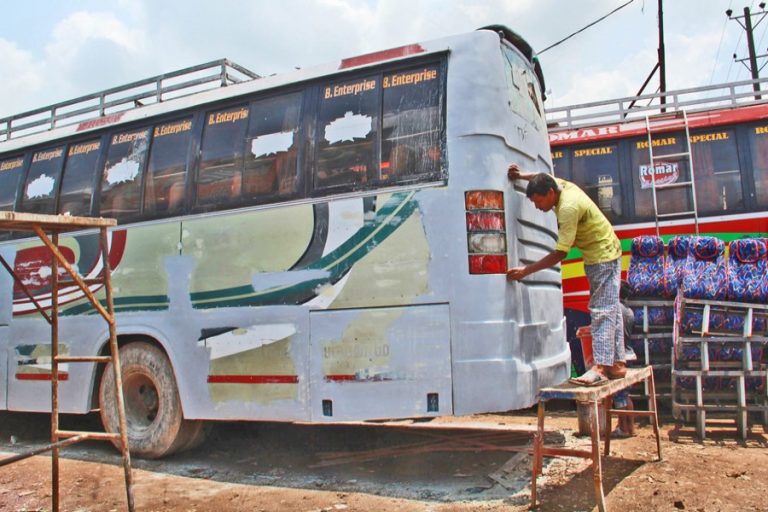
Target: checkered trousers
(607,323)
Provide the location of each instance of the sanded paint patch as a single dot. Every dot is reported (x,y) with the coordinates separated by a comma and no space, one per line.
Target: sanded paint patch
(261,375)
(33,362)
(394,272)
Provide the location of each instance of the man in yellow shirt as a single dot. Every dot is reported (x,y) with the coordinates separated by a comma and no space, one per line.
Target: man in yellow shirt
(583,225)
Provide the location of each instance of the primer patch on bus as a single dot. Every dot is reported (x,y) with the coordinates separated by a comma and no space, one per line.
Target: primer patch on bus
(33,362)
(349,127)
(253,364)
(244,339)
(123,171)
(40,187)
(275,280)
(272,143)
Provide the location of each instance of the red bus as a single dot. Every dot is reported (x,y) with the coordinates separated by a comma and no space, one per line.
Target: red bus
(709,148)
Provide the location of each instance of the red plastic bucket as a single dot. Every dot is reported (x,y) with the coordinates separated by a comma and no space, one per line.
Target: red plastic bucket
(584,333)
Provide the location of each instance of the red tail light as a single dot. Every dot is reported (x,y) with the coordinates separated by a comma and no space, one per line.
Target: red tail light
(486,232)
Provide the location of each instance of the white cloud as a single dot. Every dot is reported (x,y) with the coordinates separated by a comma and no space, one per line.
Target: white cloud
(23,78)
(78,29)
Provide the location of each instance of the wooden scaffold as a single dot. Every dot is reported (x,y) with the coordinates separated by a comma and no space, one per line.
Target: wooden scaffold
(54,225)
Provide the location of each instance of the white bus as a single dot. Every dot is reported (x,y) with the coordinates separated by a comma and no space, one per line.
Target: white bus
(325,245)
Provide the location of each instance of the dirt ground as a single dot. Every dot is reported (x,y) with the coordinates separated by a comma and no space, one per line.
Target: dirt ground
(720,474)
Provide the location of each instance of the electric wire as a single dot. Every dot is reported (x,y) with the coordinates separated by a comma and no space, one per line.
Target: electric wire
(719,45)
(585,27)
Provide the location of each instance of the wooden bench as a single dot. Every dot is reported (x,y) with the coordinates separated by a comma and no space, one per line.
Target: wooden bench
(592,396)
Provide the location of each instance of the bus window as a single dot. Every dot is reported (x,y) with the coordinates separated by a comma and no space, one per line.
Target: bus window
(77,180)
(121,182)
(219,179)
(717,174)
(40,188)
(272,146)
(10,175)
(596,170)
(411,124)
(561,163)
(166,171)
(523,89)
(758,136)
(674,170)
(346,133)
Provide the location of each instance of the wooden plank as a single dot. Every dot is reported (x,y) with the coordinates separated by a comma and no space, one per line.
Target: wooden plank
(568,391)
(19,221)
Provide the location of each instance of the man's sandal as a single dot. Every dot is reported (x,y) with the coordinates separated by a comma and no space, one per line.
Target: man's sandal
(590,378)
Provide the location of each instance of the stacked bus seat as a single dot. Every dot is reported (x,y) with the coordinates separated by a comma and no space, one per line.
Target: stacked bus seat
(719,364)
(645,278)
(677,253)
(704,277)
(652,308)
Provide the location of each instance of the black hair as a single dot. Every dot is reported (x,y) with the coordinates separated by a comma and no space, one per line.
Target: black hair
(540,184)
(624,290)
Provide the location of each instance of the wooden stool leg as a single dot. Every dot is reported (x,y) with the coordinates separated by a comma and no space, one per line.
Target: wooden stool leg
(607,404)
(597,468)
(538,445)
(652,407)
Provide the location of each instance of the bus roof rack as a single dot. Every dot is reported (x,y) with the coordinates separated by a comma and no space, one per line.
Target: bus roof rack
(710,97)
(191,80)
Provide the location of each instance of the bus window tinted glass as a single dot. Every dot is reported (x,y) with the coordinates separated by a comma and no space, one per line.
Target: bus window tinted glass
(411,124)
(219,180)
(78,178)
(121,182)
(523,88)
(667,171)
(271,147)
(561,163)
(42,179)
(164,189)
(10,174)
(758,136)
(596,170)
(346,134)
(717,173)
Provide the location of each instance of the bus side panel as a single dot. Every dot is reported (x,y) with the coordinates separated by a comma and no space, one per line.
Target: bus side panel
(380,363)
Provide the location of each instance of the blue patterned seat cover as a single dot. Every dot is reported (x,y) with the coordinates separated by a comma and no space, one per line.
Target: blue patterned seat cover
(704,274)
(646,266)
(747,271)
(677,252)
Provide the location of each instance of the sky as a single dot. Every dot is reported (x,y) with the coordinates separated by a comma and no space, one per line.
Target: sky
(55,50)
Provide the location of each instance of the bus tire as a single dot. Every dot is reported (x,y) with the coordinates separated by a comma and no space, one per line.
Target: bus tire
(156,426)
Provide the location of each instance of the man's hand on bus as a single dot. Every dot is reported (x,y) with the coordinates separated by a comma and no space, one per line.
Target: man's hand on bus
(515,173)
(517,273)
(551,259)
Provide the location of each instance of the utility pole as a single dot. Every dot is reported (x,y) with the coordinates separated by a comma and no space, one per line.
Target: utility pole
(747,25)
(662,60)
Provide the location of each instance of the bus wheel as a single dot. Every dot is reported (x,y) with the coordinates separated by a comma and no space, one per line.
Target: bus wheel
(156,426)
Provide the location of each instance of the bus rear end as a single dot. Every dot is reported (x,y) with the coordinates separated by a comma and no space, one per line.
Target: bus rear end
(508,338)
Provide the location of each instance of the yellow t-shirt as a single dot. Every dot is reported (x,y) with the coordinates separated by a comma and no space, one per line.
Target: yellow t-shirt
(582,224)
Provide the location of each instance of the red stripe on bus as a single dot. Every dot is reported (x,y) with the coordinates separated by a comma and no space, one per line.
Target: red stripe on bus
(40,376)
(340,378)
(253,379)
(370,58)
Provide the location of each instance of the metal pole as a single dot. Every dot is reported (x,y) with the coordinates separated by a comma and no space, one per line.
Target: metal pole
(752,54)
(662,63)
(55,377)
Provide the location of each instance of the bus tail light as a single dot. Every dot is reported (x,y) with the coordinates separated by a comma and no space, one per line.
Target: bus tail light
(486,232)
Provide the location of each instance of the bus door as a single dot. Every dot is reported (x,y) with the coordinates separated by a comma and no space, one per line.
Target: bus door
(378,363)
